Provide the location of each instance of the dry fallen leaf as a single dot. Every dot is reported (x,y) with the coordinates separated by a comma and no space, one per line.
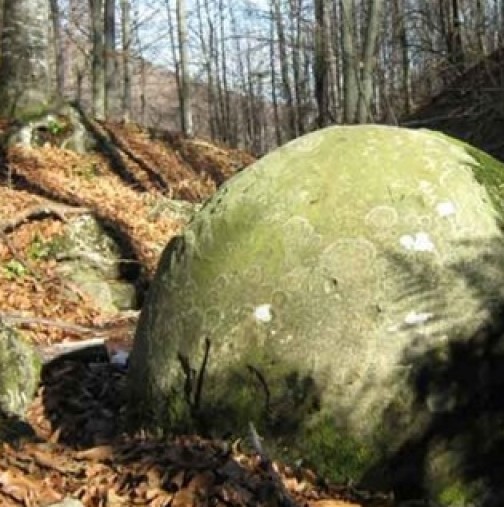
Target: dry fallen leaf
(98,453)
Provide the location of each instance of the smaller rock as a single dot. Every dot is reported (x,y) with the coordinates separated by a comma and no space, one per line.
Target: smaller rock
(92,259)
(19,372)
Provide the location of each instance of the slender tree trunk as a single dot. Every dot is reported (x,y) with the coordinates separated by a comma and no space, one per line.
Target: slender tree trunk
(364,112)
(350,83)
(98,64)
(480,28)
(456,34)
(284,70)
(274,98)
(501,22)
(296,38)
(225,104)
(451,28)
(333,64)
(245,99)
(126,59)
(25,86)
(405,61)
(110,59)
(58,47)
(175,56)
(213,83)
(205,45)
(249,93)
(320,66)
(143,92)
(185,105)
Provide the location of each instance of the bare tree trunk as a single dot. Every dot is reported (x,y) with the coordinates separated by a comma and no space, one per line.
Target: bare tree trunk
(350,82)
(246,99)
(333,64)
(126,58)
(98,64)
(274,98)
(25,86)
(185,96)
(110,59)
(451,29)
(284,70)
(296,42)
(456,35)
(320,64)
(175,56)
(58,47)
(480,28)
(405,61)
(501,22)
(143,92)
(225,109)
(364,112)
(205,48)
(249,94)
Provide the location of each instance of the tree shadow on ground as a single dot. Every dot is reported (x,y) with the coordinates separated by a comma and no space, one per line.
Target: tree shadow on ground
(458,396)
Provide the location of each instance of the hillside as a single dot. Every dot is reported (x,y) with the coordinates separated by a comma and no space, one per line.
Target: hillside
(73,446)
(471,107)
(119,186)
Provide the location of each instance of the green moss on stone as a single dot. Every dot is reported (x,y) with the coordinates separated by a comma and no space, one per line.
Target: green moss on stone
(455,495)
(335,455)
(19,371)
(487,170)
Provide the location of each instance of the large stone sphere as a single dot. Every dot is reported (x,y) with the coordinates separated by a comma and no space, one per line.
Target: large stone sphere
(343,294)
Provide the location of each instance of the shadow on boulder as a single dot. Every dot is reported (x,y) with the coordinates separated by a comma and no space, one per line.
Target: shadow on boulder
(453,448)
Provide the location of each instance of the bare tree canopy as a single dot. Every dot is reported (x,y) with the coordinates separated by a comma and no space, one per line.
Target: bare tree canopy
(251,73)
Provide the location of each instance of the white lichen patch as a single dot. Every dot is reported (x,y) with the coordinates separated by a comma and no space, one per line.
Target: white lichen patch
(120,358)
(382,217)
(419,242)
(413,318)
(262,313)
(446,209)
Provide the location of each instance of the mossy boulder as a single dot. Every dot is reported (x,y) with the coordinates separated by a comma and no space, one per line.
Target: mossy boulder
(344,293)
(92,259)
(19,372)
(59,124)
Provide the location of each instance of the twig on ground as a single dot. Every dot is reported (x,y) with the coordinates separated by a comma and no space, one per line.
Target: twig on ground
(283,496)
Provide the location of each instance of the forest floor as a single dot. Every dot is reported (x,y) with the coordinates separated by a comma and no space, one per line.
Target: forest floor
(73,446)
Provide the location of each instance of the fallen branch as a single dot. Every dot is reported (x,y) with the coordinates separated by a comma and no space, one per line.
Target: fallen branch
(14,318)
(101,330)
(41,211)
(91,350)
